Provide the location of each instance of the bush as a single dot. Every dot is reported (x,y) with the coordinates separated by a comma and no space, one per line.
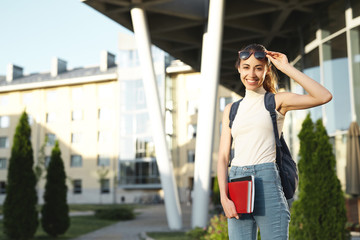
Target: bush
(218,229)
(119,213)
(196,233)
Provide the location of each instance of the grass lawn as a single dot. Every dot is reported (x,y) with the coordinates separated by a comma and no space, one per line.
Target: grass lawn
(168,235)
(88,207)
(79,225)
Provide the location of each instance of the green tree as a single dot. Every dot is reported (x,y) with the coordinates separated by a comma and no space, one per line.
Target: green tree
(319,213)
(55,211)
(20,214)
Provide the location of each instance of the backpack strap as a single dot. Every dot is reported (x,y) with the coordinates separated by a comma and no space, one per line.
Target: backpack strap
(270,105)
(233,111)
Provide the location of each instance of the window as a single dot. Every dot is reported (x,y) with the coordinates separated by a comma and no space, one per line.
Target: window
(105,186)
(312,69)
(103,160)
(224,101)
(105,114)
(191,156)
(47,161)
(77,94)
(51,96)
(4,142)
(338,111)
(104,136)
(30,119)
(4,121)
(133,95)
(77,186)
(355,43)
(191,131)
(142,122)
(144,148)
(139,172)
(105,91)
(76,161)
(2,163)
(27,98)
(4,100)
(76,137)
(77,115)
(51,138)
(2,187)
(50,117)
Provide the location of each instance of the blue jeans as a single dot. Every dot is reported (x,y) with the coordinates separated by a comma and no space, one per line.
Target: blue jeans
(271,212)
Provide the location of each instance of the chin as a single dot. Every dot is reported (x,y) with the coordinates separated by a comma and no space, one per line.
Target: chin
(252,87)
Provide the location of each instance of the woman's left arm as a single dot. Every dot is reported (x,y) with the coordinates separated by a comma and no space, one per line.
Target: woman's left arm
(286,101)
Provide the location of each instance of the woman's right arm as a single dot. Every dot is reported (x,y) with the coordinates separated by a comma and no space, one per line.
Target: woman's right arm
(222,165)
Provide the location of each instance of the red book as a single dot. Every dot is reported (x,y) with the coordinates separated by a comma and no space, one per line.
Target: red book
(241,192)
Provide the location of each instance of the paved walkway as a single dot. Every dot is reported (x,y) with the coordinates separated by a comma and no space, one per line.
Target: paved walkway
(152,218)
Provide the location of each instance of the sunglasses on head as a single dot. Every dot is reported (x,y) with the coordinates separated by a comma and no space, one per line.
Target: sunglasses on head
(243,55)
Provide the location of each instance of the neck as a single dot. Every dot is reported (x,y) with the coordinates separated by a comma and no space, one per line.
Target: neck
(260,90)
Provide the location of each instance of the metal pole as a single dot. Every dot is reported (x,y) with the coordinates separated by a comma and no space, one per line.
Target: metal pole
(142,36)
(210,72)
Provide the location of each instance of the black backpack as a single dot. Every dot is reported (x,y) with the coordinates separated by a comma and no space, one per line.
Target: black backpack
(286,165)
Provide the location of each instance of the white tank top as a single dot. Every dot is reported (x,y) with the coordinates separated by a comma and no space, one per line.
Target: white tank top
(252,131)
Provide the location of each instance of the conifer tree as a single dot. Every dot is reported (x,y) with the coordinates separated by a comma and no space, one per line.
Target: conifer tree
(331,213)
(298,215)
(55,211)
(20,214)
(319,213)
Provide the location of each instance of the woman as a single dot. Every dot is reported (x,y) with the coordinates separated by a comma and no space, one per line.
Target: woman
(254,141)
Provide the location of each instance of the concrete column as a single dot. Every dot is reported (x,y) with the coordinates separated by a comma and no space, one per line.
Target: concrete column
(210,72)
(142,36)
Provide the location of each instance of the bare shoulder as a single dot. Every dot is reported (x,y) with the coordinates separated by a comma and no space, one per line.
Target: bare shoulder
(226,112)
(228,107)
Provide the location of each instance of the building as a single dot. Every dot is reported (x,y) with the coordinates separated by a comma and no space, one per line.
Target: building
(78,108)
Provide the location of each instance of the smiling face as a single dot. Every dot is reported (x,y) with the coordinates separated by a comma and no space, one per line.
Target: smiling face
(252,72)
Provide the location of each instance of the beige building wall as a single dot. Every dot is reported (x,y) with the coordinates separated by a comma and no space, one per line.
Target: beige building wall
(92,133)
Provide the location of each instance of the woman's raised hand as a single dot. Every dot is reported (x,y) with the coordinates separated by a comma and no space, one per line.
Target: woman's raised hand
(278,59)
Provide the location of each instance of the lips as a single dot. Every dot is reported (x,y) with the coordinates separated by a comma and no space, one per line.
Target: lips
(251,82)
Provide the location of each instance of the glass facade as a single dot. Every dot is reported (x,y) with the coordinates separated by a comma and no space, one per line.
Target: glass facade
(328,62)
(139,173)
(355,62)
(312,69)
(336,79)
(138,168)
(332,58)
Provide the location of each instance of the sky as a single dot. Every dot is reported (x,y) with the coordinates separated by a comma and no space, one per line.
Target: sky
(33,32)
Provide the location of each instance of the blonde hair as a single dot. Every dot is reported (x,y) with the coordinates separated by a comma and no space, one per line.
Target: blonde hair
(271,78)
